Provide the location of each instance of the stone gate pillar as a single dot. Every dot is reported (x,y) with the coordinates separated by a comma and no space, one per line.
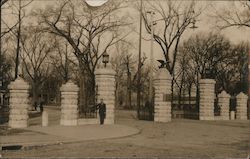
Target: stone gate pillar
(19,103)
(162,106)
(207,96)
(69,101)
(105,81)
(241,107)
(224,100)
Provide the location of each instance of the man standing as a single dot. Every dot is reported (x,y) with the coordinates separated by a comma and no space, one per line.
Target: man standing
(40,103)
(102,111)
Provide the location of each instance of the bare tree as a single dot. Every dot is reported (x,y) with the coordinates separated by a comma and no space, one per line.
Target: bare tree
(3,2)
(232,74)
(173,21)
(36,49)
(62,60)
(125,63)
(206,51)
(90,32)
(118,65)
(215,53)
(19,11)
(174,18)
(237,15)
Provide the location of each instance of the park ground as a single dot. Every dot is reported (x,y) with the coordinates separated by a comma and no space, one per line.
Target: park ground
(179,138)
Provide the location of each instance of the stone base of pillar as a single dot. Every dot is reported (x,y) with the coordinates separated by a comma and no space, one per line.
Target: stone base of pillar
(232,115)
(68,122)
(162,119)
(206,118)
(109,121)
(225,118)
(18,124)
(243,117)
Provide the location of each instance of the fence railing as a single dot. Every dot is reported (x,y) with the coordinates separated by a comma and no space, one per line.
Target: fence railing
(4,113)
(146,113)
(88,112)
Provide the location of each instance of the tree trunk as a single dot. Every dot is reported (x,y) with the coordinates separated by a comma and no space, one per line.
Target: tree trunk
(129,92)
(35,93)
(81,92)
(172,93)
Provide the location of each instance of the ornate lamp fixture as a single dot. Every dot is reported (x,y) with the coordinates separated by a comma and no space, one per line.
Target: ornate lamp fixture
(105,58)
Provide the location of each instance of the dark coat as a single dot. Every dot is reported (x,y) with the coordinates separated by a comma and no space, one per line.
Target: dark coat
(102,108)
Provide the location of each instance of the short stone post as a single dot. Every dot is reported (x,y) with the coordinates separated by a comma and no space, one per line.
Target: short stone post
(69,96)
(232,115)
(162,106)
(105,81)
(18,117)
(224,101)
(45,118)
(241,107)
(207,97)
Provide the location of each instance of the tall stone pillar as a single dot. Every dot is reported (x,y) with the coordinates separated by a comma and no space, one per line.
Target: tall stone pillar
(207,96)
(105,80)
(69,101)
(162,106)
(224,101)
(19,103)
(241,108)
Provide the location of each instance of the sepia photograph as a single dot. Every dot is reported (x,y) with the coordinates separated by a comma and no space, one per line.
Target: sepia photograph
(125,79)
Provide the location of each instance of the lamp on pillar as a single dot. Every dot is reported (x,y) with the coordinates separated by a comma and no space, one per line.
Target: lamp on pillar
(105,58)
(208,73)
(193,24)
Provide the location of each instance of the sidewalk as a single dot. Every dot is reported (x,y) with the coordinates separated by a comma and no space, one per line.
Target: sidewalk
(38,136)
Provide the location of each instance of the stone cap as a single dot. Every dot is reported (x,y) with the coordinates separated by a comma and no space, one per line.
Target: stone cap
(163,74)
(207,81)
(242,95)
(70,86)
(19,84)
(224,94)
(101,70)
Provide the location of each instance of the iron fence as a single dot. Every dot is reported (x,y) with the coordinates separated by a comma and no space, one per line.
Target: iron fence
(88,112)
(146,112)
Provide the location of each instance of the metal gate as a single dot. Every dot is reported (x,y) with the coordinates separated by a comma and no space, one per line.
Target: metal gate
(146,112)
(185,107)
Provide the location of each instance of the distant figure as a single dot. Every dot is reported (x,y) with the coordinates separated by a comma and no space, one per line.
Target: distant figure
(40,103)
(102,111)
(35,105)
(149,108)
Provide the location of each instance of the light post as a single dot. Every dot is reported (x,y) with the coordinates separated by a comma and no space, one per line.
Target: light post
(139,67)
(152,23)
(105,58)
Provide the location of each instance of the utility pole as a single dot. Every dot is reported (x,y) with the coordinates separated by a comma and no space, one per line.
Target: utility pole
(1,71)
(248,84)
(1,65)
(139,67)
(18,39)
(151,57)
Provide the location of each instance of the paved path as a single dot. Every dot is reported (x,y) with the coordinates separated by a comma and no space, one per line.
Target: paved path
(36,135)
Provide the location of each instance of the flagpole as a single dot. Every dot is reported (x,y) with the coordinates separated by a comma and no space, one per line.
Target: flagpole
(139,67)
